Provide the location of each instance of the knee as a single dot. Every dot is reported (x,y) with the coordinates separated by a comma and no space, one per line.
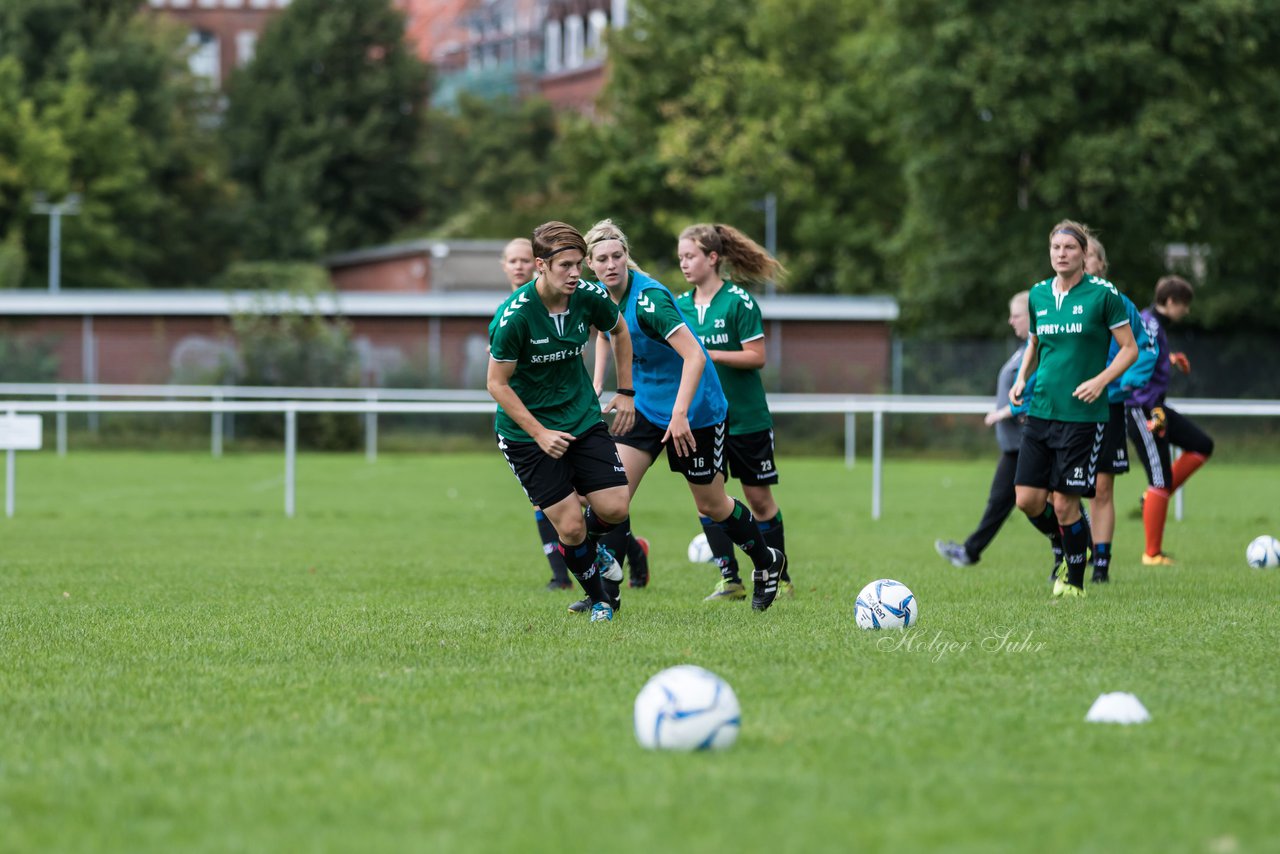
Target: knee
(1103,493)
(573,531)
(1028,503)
(1066,508)
(612,510)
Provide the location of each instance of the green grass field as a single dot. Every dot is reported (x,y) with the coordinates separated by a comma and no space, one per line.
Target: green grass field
(184,669)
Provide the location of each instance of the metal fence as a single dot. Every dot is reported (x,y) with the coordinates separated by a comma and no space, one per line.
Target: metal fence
(289,403)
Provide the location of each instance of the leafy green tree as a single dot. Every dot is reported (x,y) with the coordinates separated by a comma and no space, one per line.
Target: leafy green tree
(489,167)
(1152,122)
(712,105)
(325,129)
(100,102)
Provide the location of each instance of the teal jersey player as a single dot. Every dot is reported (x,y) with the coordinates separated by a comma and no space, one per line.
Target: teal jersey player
(1073,331)
(550,376)
(732,319)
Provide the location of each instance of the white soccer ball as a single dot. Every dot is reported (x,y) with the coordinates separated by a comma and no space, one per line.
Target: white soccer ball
(700,549)
(1263,552)
(686,708)
(886,604)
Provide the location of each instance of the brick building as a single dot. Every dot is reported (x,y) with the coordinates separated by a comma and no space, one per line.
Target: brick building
(819,344)
(224,33)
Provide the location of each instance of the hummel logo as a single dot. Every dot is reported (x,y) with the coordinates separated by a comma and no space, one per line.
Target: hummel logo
(746,297)
(539,340)
(512,309)
(645,303)
(1042,312)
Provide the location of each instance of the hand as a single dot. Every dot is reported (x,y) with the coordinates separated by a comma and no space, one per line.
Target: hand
(554,442)
(624,409)
(1181,362)
(680,435)
(1089,390)
(1157,423)
(996,415)
(1015,393)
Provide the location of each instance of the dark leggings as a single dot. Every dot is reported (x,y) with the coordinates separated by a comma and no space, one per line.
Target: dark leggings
(1154,451)
(1000,503)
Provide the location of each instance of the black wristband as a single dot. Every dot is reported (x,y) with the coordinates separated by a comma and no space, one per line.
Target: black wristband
(627,392)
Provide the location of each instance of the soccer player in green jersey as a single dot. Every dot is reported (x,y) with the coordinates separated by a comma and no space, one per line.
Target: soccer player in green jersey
(549,425)
(1074,318)
(517,265)
(727,319)
(680,407)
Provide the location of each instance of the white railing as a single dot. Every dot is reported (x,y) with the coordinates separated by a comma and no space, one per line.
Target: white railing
(374,402)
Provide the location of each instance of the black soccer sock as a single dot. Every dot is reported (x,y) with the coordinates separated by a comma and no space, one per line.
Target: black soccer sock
(612,539)
(741,527)
(775,537)
(612,536)
(581,561)
(1075,542)
(1101,558)
(550,539)
(1047,522)
(722,553)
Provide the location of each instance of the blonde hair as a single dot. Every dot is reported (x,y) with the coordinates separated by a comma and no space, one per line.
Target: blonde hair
(749,262)
(605,230)
(1100,252)
(522,242)
(1022,298)
(1078,230)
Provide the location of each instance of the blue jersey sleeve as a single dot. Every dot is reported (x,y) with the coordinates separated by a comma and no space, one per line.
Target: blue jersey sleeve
(1140,371)
(1028,394)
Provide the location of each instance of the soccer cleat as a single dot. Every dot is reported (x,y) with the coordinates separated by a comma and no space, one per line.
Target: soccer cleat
(607,565)
(1100,576)
(639,560)
(786,590)
(557,584)
(766,581)
(1159,559)
(1068,591)
(727,590)
(601,612)
(582,606)
(952,551)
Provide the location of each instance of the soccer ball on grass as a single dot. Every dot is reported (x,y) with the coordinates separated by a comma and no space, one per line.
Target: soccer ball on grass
(886,604)
(686,708)
(1263,552)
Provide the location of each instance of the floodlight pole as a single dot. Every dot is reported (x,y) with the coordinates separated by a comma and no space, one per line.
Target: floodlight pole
(70,206)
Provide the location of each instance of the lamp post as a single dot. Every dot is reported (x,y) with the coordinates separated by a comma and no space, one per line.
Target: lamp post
(70,206)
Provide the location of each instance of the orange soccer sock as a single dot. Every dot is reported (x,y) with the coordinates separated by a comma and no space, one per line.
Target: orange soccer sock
(1185,466)
(1155,506)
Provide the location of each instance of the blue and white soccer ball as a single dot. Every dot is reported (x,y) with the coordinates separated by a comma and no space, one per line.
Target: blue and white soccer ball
(886,604)
(686,708)
(1263,552)
(700,549)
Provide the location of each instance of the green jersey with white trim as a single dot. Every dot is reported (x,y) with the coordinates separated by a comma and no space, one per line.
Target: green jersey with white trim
(550,377)
(732,319)
(1073,336)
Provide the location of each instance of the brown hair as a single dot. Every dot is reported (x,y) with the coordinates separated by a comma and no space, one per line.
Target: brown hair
(749,262)
(1174,289)
(552,238)
(1078,230)
(604,230)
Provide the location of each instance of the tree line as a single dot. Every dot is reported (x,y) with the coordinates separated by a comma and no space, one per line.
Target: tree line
(919,148)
